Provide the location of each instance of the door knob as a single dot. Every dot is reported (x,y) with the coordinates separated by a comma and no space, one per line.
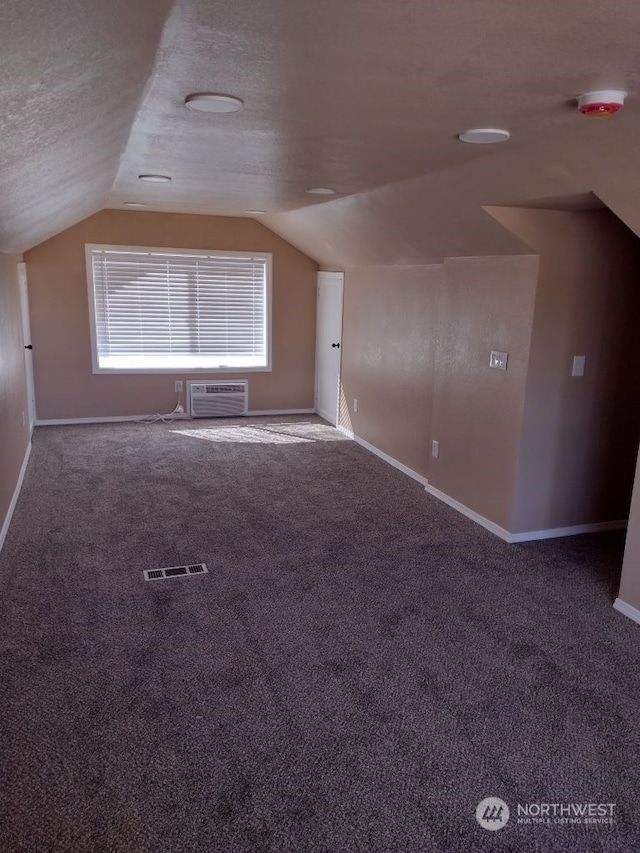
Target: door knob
(336,345)
(28,346)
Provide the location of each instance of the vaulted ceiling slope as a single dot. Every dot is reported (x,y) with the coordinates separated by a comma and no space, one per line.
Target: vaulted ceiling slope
(366,97)
(72,74)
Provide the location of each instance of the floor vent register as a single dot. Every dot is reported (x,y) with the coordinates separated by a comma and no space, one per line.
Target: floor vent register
(175,572)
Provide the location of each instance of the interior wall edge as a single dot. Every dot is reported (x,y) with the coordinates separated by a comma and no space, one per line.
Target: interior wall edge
(579,435)
(561,532)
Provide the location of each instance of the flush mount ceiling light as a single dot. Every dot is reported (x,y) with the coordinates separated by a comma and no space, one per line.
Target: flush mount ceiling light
(484,135)
(210,102)
(320,191)
(601,104)
(134,204)
(256,212)
(155,179)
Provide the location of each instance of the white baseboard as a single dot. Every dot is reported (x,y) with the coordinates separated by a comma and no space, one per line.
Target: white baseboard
(258,412)
(576,530)
(469,513)
(327,417)
(14,499)
(494,528)
(111,420)
(399,465)
(627,610)
(512,538)
(528,535)
(128,418)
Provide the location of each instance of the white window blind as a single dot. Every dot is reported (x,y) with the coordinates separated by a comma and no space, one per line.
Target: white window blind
(161,309)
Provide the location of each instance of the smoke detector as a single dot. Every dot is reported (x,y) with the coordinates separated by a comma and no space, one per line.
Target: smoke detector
(601,104)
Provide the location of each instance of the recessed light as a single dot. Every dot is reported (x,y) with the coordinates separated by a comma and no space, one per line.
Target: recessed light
(484,135)
(134,204)
(155,179)
(210,102)
(255,212)
(320,191)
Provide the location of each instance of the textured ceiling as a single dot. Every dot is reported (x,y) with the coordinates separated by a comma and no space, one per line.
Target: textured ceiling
(366,97)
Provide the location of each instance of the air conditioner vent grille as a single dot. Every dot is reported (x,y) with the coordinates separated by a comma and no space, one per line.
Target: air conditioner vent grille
(217,399)
(224,389)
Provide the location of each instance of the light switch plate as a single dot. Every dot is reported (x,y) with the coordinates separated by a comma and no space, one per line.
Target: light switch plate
(578,365)
(498,360)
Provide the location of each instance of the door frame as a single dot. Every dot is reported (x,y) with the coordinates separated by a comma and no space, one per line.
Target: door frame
(26,339)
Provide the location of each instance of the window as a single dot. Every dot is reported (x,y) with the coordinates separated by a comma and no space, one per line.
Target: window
(163,310)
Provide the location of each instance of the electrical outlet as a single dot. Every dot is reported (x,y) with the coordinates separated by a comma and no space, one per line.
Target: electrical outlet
(355,405)
(435,449)
(178,386)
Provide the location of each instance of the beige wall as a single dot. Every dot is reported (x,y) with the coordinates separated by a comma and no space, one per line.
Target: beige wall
(580,435)
(531,448)
(477,416)
(14,436)
(65,384)
(389,336)
(416,350)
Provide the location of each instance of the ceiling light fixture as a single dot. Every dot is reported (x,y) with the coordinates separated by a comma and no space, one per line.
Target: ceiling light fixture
(134,204)
(484,135)
(601,104)
(155,179)
(210,102)
(320,191)
(256,212)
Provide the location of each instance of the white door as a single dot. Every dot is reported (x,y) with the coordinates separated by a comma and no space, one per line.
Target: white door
(26,335)
(328,345)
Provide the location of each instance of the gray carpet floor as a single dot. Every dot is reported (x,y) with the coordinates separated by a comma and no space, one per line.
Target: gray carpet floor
(359,668)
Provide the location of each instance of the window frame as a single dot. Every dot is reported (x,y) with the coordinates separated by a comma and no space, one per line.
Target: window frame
(129,371)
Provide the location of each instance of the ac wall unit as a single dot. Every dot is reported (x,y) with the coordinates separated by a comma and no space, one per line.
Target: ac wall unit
(217,399)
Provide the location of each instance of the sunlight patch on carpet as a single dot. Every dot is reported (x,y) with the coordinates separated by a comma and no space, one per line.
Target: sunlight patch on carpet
(305,433)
